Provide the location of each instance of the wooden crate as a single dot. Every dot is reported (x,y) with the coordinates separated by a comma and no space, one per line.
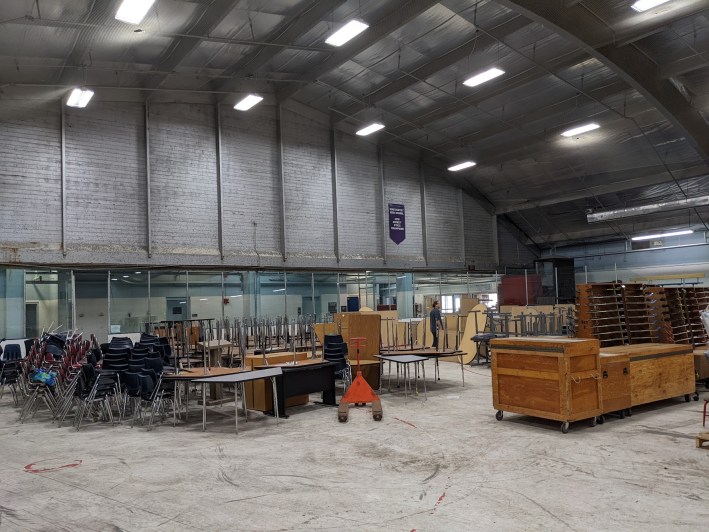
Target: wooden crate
(615,382)
(701,365)
(552,378)
(658,371)
(259,394)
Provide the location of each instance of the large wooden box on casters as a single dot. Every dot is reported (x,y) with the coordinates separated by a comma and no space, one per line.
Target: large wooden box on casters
(551,378)
(615,383)
(658,371)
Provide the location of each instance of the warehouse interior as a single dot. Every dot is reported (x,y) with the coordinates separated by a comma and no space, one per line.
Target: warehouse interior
(354,264)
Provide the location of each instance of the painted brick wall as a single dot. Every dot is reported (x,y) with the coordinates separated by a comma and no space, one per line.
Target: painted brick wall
(445,240)
(308,182)
(30,173)
(402,185)
(512,251)
(359,198)
(479,245)
(183,178)
(106,192)
(251,186)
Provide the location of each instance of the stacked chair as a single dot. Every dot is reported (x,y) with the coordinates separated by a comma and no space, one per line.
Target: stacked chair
(335,350)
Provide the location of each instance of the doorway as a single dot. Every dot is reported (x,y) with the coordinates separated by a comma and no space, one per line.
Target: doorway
(31,320)
(177,309)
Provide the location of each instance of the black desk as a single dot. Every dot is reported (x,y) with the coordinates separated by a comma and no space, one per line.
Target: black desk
(308,376)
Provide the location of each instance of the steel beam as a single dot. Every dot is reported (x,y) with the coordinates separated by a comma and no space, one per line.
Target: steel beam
(62,121)
(579,26)
(382,192)
(148,235)
(478,43)
(390,22)
(220,202)
(282,178)
(285,34)
(424,225)
(612,183)
(684,65)
(333,168)
(102,11)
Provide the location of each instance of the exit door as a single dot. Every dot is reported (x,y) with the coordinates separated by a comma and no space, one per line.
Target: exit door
(177,309)
(31,319)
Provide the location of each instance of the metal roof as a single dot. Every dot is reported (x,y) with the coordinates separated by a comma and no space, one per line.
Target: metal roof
(644,77)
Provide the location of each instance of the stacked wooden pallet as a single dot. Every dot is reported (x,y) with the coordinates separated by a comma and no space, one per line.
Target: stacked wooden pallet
(600,313)
(640,320)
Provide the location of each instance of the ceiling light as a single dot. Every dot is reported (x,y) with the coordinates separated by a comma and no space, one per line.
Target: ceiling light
(630,212)
(236,296)
(580,129)
(461,166)
(80,98)
(661,235)
(138,273)
(203,299)
(370,129)
(481,78)
(644,5)
(183,302)
(346,32)
(280,290)
(126,276)
(114,279)
(133,11)
(248,102)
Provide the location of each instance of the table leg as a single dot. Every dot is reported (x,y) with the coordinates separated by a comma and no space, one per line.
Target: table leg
(423,369)
(204,407)
(405,368)
(390,375)
(416,378)
(462,368)
(275,398)
(236,410)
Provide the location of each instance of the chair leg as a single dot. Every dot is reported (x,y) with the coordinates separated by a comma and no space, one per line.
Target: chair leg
(704,414)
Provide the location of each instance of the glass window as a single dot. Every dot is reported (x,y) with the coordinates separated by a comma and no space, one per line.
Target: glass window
(13,308)
(129,302)
(50,292)
(91,290)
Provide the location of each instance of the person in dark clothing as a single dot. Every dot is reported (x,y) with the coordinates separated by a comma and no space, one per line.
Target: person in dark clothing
(436,323)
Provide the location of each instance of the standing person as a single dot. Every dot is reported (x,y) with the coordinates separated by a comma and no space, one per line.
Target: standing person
(436,323)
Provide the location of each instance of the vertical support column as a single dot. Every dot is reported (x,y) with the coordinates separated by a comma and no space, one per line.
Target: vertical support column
(148,234)
(380,164)
(62,120)
(150,308)
(312,295)
(281,175)
(333,166)
(461,217)
(220,204)
(495,241)
(424,225)
(108,306)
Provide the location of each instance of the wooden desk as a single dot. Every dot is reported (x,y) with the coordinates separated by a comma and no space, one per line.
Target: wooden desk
(198,373)
(305,377)
(258,395)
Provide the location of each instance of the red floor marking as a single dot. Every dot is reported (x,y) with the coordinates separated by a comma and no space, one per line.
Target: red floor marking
(440,500)
(414,426)
(29,468)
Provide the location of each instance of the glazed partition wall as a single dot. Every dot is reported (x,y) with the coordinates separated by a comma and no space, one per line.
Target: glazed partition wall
(124,301)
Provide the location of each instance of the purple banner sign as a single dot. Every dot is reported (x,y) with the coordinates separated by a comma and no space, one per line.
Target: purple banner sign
(397,223)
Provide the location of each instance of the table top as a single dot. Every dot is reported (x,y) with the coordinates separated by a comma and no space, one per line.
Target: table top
(243,376)
(198,373)
(214,344)
(401,359)
(300,363)
(363,362)
(425,352)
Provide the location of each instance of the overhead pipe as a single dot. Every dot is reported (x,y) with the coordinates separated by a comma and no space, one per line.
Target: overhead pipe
(640,210)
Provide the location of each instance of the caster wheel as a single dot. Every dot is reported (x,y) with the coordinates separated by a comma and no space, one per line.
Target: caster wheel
(622,414)
(343,412)
(686,398)
(377,412)
(695,397)
(499,415)
(565,427)
(594,420)
(377,417)
(601,420)
(629,412)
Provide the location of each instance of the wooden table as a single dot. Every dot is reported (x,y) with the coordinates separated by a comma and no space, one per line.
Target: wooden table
(430,352)
(305,377)
(241,378)
(258,395)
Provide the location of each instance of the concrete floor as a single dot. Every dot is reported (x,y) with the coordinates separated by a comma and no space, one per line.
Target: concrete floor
(443,464)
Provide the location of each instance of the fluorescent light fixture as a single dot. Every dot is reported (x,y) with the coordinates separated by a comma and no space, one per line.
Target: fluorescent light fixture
(346,32)
(461,166)
(248,102)
(80,98)
(138,273)
(580,129)
(203,299)
(114,279)
(236,296)
(661,235)
(371,128)
(280,290)
(479,79)
(644,5)
(126,276)
(133,11)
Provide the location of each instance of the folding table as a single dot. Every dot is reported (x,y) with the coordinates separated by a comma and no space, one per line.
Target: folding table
(406,360)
